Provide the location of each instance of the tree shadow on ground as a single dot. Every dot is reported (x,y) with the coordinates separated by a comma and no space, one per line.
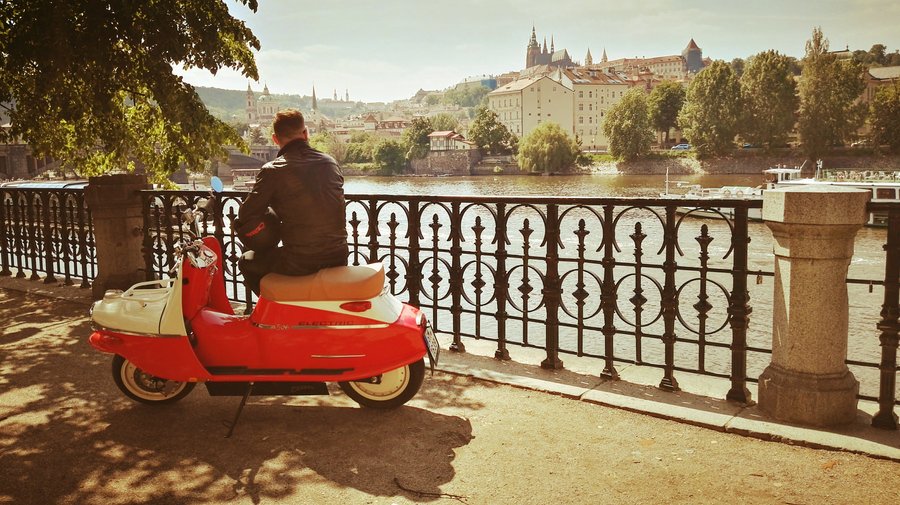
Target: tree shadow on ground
(68,435)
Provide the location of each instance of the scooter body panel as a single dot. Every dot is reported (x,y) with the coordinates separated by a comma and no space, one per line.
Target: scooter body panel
(169,357)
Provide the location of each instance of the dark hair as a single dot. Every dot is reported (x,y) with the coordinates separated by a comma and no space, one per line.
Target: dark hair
(288,123)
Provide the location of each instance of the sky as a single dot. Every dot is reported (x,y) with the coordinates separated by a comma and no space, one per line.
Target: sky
(388,49)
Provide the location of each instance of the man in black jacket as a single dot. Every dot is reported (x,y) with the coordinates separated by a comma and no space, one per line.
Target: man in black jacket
(305,188)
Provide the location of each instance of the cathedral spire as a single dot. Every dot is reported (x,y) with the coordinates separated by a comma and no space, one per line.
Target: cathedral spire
(544,50)
(603,58)
(346,95)
(588,60)
(266,89)
(552,45)
(315,105)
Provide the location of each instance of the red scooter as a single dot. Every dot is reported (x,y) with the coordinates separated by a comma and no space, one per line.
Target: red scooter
(340,324)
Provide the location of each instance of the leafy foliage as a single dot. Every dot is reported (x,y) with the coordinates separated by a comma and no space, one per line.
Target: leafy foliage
(466,96)
(361,148)
(443,122)
(256,137)
(97,90)
(770,99)
(665,102)
(885,114)
(711,110)
(548,148)
(828,92)
(489,134)
(877,56)
(390,156)
(628,126)
(330,144)
(415,138)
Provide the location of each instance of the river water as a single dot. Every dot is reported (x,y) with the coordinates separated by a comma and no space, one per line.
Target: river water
(868,261)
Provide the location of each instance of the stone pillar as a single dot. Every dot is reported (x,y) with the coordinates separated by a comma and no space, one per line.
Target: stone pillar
(807,381)
(116,210)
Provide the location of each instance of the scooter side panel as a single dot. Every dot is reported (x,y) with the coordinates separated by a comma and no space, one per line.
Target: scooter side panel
(225,340)
(166,357)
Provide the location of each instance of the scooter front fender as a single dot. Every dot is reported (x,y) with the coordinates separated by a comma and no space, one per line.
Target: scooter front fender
(170,358)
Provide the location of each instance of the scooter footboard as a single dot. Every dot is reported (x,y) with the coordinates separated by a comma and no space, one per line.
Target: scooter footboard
(170,358)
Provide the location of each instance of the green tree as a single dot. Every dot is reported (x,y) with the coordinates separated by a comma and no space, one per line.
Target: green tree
(829,89)
(885,117)
(628,126)
(256,137)
(466,96)
(489,134)
(548,148)
(665,102)
(328,143)
(738,65)
(712,109)
(769,94)
(361,148)
(443,122)
(93,84)
(415,138)
(390,156)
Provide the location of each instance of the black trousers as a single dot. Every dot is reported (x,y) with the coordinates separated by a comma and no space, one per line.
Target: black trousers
(286,261)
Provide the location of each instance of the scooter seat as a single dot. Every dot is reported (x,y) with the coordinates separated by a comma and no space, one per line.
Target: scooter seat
(336,283)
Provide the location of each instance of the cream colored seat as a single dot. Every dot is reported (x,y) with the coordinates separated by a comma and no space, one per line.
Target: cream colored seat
(337,283)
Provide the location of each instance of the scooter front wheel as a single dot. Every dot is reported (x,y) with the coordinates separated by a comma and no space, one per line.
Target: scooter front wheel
(391,389)
(145,388)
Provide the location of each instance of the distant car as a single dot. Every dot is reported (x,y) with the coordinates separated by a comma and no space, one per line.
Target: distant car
(747,145)
(861,143)
(681,147)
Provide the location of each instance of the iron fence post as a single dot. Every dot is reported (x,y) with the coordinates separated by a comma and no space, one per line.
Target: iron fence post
(890,312)
(669,303)
(414,270)
(552,289)
(456,280)
(4,237)
(608,295)
(739,310)
(501,284)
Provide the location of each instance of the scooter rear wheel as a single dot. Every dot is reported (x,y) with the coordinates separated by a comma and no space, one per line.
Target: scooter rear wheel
(394,388)
(145,388)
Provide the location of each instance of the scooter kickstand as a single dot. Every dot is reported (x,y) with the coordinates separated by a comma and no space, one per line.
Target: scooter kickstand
(239,410)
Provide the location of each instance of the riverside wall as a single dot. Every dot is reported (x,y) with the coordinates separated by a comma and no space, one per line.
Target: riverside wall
(746,163)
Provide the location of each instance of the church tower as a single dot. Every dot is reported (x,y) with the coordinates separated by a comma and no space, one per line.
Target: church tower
(252,115)
(315,104)
(588,60)
(531,57)
(693,57)
(604,59)
(346,95)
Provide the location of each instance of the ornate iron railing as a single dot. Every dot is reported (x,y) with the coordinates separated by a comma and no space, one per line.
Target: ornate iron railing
(622,280)
(49,232)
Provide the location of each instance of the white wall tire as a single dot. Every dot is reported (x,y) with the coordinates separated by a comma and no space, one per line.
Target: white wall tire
(143,387)
(395,388)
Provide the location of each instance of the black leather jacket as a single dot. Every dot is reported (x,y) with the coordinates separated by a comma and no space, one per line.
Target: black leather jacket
(306,189)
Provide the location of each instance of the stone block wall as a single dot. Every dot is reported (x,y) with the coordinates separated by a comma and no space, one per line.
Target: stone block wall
(446,163)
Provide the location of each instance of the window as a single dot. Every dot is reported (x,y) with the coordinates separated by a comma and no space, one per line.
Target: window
(590,94)
(581,106)
(580,119)
(581,94)
(590,106)
(591,120)
(885,193)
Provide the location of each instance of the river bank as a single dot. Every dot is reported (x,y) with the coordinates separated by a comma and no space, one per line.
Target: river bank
(741,162)
(745,163)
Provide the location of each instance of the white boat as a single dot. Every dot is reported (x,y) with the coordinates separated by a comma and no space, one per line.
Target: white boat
(884,186)
(696,192)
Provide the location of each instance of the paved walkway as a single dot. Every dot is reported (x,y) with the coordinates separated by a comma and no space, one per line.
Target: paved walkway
(68,436)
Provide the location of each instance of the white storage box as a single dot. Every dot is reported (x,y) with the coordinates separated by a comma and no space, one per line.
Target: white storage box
(147,308)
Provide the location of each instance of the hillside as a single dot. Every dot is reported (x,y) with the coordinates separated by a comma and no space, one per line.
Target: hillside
(229,104)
